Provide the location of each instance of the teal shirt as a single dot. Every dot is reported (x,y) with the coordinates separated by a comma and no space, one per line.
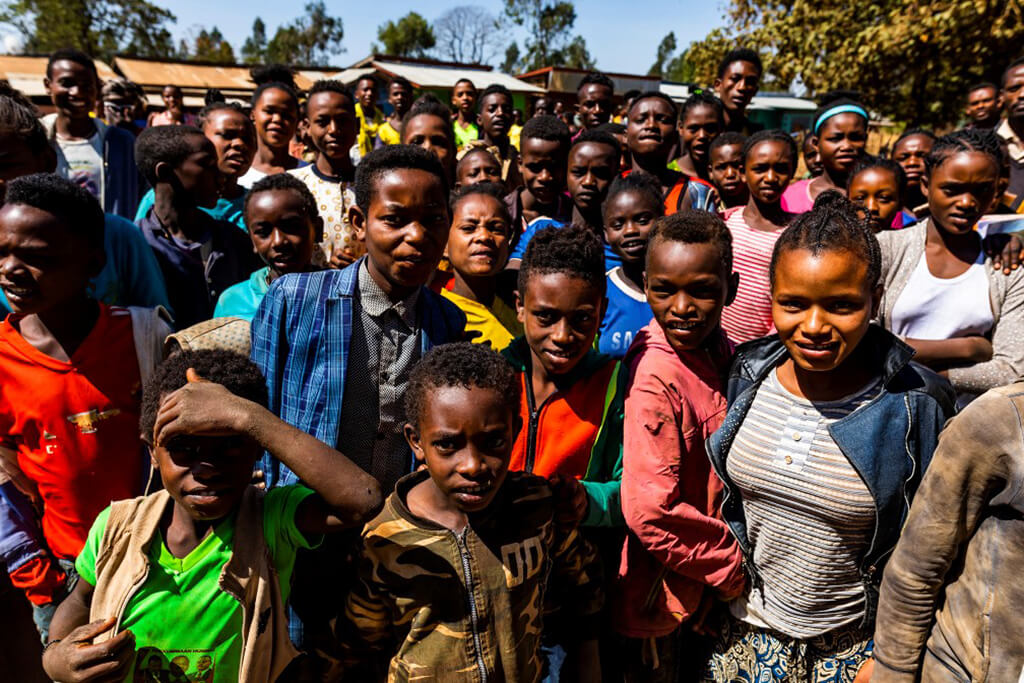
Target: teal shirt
(230,210)
(242,300)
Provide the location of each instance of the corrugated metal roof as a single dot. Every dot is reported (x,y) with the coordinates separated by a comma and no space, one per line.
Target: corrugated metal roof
(183,74)
(27,73)
(424,76)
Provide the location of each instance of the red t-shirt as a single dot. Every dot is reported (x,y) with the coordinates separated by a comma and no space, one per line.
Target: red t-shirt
(75,425)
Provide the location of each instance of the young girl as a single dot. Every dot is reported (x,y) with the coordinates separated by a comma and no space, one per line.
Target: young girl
(427,124)
(941,293)
(633,204)
(651,135)
(725,157)
(477,165)
(275,111)
(910,151)
(840,131)
(478,252)
(877,186)
(828,430)
(769,164)
(700,121)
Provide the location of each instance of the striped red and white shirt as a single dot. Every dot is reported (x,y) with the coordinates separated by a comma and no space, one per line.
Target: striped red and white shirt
(749,316)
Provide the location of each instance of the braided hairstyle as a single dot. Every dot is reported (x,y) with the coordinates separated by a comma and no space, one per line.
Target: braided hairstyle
(832,225)
(965,140)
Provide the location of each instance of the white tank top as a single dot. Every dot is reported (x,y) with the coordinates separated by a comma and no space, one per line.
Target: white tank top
(935,308)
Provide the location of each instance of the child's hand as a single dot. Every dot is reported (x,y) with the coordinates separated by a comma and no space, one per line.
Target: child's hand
(570,500)
(1006,251)
(199,407)
(76,660)
(340,258)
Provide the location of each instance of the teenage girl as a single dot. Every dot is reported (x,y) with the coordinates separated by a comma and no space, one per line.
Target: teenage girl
(275,112)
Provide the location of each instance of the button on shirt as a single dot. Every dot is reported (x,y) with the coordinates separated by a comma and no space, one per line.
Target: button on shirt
(384,347)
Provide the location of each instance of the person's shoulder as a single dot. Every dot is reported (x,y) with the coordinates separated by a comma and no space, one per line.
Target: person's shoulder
(314,286)
(524,490)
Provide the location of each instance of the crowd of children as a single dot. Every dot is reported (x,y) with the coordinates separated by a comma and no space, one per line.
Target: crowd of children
(407,392)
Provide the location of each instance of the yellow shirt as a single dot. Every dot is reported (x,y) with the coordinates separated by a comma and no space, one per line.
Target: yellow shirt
(388,135)
(368,129)
(514,133)
(496,325)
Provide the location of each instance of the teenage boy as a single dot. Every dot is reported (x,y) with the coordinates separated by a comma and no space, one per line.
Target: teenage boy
(679,554)
(130,276)
(983,106)
(285,228)
(94,155)
(202,568)
(739,79)
(464,104)
(545,146)
(463,411)
(71,370)
(1012,129)
(199,256)
(400,99)
(594,100)
(371,118)
(332,126)
(494,117)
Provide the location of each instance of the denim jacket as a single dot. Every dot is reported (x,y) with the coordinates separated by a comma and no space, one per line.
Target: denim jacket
(889,441)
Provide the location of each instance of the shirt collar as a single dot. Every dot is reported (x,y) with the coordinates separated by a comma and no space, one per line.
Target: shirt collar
(376,303)
(1013,143)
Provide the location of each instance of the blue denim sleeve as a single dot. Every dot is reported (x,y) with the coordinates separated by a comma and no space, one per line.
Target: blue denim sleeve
(20,536)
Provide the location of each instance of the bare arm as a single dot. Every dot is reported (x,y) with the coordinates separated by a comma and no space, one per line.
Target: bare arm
(940,354)
(349,495)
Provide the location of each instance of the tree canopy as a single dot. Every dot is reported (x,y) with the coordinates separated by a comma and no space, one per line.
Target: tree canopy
(468,34)
(910,60)
(550,41)
(410,36)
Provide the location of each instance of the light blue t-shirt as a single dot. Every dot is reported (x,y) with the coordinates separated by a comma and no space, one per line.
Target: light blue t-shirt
(230,210)
(131,275)
(628,313)
(611,259)
(242,300)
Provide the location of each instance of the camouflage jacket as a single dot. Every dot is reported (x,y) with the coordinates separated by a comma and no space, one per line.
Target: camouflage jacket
(447,606)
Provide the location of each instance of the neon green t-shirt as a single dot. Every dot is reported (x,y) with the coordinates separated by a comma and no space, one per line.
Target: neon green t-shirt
(464,136)
(187,630)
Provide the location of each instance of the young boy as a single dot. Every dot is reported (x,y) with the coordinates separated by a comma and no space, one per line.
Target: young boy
(464,104)
(545,146)
(477,166)
(593,165)
(464,528)
(725,161)
(594,100)
(370,117)
(130,275)
(94,155)
(494,117)
(739,79)
(233,135)
(71,370)
(400,99)
(199,256)
(285,228)
(478,252)
(203,567)
(332,128)
(679,553)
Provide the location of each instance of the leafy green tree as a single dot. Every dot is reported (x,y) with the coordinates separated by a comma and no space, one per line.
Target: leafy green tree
(254,49)
(509,64)
(549,29)
(910,60)
(410,36)
(101,28)
(210,46)
(665,49)
(310,40)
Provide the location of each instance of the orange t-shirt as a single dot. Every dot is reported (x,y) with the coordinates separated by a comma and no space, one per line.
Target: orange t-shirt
(74,426)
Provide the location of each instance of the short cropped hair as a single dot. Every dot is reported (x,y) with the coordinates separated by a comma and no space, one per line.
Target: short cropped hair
(71,204)
(596,78)
(729,137)
(597,136)
(234,372)
(206,112)
(642,183)
(832,225)
(427,104)
(575,251)
(611,128)
(391,158)
(549,128)
(400,81)
(463,365)
(693,227)
(19,116)
(772,135)
(331,85)
(464,80)
(868,162)
(273,73)
(982,85)
(740,54)
(492,89)
(167,144)
(701,98)
(287,182)
(275,85)
(1012,65)
(965,140)
(495,190)
(655,95)
(910,132)
(69,54)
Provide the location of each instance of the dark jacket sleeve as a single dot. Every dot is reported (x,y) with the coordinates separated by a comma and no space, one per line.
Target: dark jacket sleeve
(968,469)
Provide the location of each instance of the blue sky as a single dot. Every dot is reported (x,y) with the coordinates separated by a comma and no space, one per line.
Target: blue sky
(622,37)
